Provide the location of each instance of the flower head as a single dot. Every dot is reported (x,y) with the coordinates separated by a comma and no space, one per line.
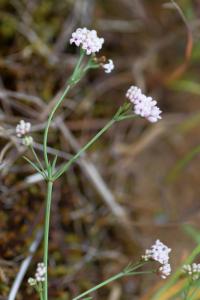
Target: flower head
(27,140)
(165,270)
(192,270)
(40,272)
(39,275)
(134,94)
(143,106)
(158,252)
(23,128)
(87,39)
(108,67)
(32,281)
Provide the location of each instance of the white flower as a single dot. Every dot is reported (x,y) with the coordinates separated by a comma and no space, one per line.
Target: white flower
(27,141)
(23,128)
(165,270)
(158,252)
(40,272)
(192,270)
(32,281)
(143,106)
(134,94)
(87,39)
(108,67)
(155,114)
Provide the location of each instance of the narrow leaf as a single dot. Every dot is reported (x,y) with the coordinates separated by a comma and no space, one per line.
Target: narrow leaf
(33,165)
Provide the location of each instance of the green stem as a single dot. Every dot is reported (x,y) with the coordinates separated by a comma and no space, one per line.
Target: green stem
(141,273)
(49,123)
(126,117)
(115,277)
(192,296)
(187,292)
(76,76)
(37,158)
(82,150)
(131,267)
(46,234)
(77,68)
(39,290)
(41,295)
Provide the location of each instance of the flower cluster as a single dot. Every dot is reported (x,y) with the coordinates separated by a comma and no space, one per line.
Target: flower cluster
(109,66)
(165,271)
(160,253)
(192,270)
(23,128)
(27,141)
(87,39)
(143,106)
(40,272)
(39,275)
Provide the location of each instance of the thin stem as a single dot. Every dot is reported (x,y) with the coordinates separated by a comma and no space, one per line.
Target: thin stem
(82,150)
(132,267)
(194,292)
(41,295)
(73,79)
(187,290)
(115,277)
(49,123)
(77,68)
(46,235)
(131,116)
(140,273)
(39,290)
(37,158)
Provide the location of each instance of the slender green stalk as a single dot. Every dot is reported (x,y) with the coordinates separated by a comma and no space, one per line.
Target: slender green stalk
(126,117)
(41,295)
(37,158)
(131,267)
(76,76)
(193,294)
(187,292)
(77,72)
(141,273)
(39,290)
(82,150)
(49,123)
(46,235)
(115,277)
(92,141)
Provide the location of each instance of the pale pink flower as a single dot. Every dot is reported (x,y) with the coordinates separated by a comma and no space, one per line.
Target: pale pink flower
(165,271)
(158,252)
(143,106)
(87,39)
(23,128)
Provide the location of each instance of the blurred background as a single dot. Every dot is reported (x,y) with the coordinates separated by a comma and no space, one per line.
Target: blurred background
(139,182)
